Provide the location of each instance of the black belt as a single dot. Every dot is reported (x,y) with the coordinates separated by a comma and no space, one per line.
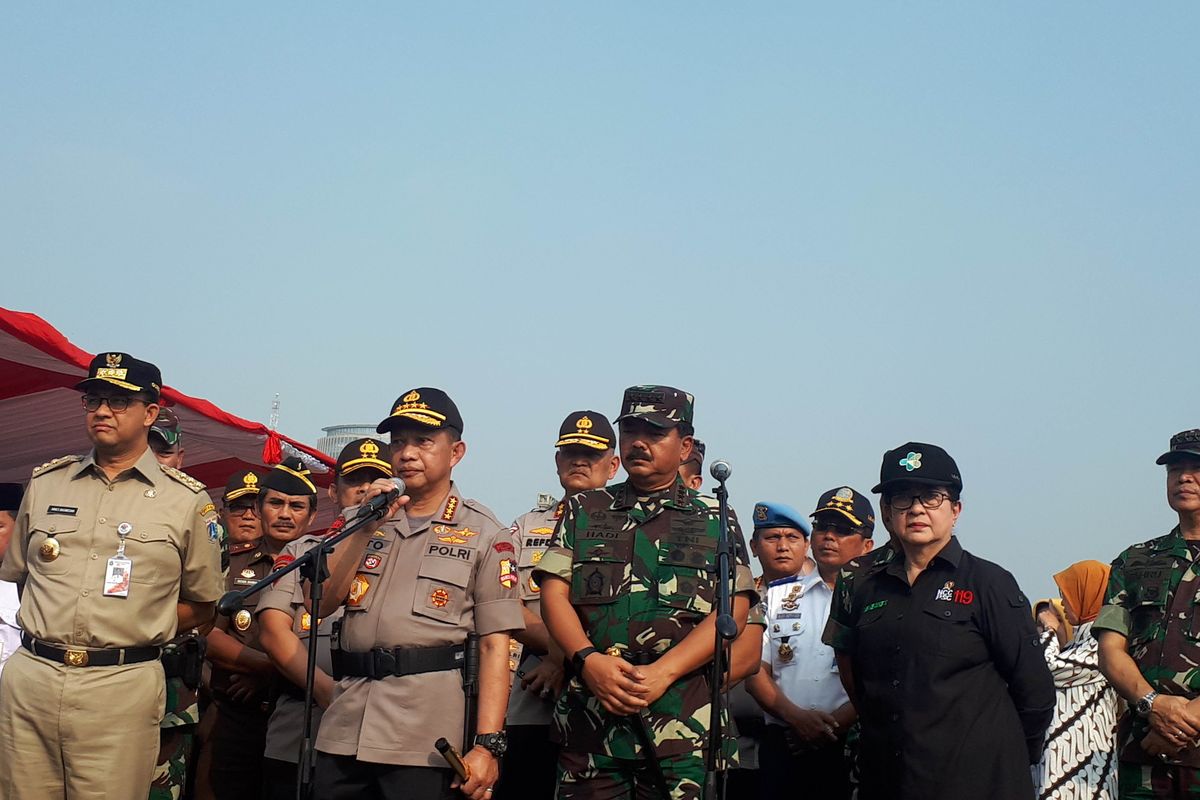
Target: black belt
(396,662)
(81,657)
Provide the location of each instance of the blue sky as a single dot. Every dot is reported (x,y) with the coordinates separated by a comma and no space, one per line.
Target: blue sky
(841,228)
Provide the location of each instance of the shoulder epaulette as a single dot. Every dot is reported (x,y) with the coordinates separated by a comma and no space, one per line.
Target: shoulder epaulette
(55,463)
(480,508)
(242,547)
(183,477)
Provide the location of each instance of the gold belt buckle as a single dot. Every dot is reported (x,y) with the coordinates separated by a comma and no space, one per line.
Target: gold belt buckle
(76,658)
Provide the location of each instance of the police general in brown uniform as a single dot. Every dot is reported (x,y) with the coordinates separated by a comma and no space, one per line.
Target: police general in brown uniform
(413,589)
(114,553)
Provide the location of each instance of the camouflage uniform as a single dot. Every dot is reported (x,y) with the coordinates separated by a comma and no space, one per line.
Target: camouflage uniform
(1152,599)
(640,573)
(177,731)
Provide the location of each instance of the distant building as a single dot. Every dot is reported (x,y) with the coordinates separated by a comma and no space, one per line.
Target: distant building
(338,436)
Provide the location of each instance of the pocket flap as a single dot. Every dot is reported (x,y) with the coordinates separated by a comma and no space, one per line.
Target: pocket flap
(446,570)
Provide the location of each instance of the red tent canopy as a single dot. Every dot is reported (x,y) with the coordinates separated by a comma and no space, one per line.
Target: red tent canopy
(43,419)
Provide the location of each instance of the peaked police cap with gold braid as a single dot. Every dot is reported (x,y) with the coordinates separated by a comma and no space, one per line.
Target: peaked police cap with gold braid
(364,453)
(432,408)
(124,372)
(587,429)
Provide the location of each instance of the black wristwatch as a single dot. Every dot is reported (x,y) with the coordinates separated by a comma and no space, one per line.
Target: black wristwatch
(494,743)
(580,656)
(1144,705)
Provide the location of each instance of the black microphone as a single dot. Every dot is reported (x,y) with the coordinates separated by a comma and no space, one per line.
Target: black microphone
(720,470)
(377,505)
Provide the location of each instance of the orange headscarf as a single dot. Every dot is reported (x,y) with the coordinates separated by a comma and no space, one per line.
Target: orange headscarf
(1083,585)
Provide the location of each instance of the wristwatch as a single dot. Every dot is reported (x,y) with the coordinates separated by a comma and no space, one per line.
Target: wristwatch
(1143,706)
(495,743)
(580,656)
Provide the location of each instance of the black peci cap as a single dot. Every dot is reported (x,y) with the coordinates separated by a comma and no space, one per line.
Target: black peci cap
(918,462)
(426,406)
(10,496)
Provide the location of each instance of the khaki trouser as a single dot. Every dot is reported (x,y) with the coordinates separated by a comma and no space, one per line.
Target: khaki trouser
(78,732)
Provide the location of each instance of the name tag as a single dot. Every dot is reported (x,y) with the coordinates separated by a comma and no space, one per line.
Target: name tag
(69,511)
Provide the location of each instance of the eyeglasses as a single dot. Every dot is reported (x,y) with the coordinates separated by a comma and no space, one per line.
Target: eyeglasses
(117,405)
(837,528)
(929,498)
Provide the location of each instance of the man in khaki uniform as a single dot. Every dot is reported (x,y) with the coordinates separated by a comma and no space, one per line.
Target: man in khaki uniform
(242,673)
(585,458)
(413,588)
(114,553)
(239,507)
(286,625)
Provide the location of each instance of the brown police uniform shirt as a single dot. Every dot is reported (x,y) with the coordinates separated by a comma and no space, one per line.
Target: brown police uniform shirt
(426,587)
(249,562)
(285,729)
(532,532)
(173,543)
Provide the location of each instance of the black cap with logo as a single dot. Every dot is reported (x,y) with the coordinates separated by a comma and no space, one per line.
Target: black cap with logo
(586,429)
(848,504)
(430,407)
(241,483)
(290,477)
(363,454)
(1185,444)
(124,372)
(918,462)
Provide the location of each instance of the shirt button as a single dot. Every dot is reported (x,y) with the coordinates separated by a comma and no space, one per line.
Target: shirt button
(102,520)
(94,556)
(53,529)
(895,684)
(945,613)
(85,592)
(112,486)
(897,648)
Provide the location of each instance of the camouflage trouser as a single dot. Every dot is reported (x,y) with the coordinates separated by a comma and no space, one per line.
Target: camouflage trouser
(170,774)
(585,776)
(1148,782)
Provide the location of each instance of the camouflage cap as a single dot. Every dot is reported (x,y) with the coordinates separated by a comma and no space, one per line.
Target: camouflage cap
(664,406)
(1185,444)
(166,427)
(697,457)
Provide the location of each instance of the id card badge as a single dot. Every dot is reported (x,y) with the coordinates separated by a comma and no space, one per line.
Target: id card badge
(116,576)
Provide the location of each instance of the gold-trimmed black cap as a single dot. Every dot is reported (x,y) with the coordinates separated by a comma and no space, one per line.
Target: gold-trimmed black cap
(1185,444)
(240,484)
(587,429)
(124,372)
(852,505)
(426,406)
(364,454)
(290,477)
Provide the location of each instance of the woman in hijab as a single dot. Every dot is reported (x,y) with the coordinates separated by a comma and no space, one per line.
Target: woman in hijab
(1080,756)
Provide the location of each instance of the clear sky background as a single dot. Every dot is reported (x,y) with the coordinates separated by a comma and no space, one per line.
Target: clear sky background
(840,227)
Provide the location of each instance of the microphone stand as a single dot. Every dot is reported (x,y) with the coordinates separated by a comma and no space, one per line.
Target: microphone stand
(312,566)
(726,632)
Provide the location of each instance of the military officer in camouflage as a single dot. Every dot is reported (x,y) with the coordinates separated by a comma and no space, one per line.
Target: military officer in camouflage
(115,552)
(585,458)
(627,592)
(1149,640)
